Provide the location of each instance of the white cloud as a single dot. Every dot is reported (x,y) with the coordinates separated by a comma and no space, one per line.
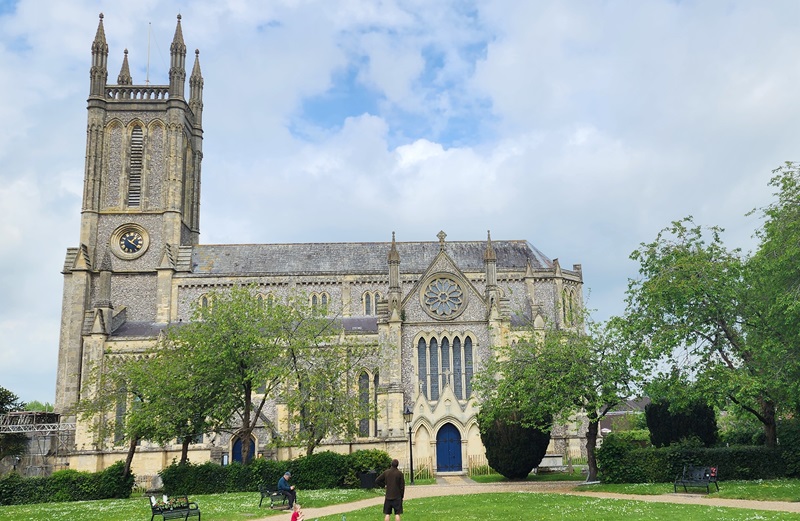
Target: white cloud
(582,127)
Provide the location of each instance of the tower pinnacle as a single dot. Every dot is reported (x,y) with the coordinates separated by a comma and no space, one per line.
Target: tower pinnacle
(124,77)
(98,74)
(177,66)
(196,90)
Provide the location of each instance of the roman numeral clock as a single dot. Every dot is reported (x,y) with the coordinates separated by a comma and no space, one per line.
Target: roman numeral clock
(129,241)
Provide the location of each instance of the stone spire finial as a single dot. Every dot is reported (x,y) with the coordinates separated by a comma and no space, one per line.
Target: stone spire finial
(441,235)
(177,67)
(395,293)
(98,74)
(124,77)
(394,255)
(100,36)
(489,255)
(196,90)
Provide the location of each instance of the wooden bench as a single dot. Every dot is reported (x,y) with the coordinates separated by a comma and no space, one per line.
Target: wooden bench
(277,499)
(697,477)
(177,507)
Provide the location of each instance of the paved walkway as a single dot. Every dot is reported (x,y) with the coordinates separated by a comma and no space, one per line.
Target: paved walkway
(457,485)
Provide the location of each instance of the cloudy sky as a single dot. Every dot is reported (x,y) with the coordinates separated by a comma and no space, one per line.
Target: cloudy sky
(583,127)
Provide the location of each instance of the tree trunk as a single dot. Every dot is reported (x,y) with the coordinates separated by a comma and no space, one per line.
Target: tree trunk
(129,458)
(770,426)
(185,450)
(247,429)
(591,444)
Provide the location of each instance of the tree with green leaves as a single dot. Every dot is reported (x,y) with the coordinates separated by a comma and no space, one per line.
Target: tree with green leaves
(552,374)
(774,288)
(114,401)
(321,391)
(250,351)
(692,308)
(14,443)
(238,344)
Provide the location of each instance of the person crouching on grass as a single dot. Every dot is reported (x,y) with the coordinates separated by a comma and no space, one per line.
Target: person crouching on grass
(395,484)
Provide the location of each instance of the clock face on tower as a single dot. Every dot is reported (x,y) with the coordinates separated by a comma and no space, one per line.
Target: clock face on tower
(129,241)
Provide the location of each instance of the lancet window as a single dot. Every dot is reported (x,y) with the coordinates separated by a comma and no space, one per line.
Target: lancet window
(444,362)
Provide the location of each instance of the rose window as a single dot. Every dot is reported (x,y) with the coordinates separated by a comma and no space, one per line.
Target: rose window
(443,297)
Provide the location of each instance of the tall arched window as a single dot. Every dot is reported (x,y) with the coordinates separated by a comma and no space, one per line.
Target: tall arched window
(468,365)
(422,367)
(458,386)
(367,304)
(324,300)
(375,382)
(445,362)
(120,412)
(136,157)
(363,402)
(433,369)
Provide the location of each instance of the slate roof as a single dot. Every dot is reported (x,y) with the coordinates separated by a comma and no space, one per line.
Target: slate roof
(355,257)
(139,329)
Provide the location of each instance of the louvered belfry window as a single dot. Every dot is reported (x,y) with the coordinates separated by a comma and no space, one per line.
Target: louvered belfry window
(135,171)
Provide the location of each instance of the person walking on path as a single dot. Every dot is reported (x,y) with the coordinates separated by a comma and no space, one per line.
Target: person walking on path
(286,489)
(395,484)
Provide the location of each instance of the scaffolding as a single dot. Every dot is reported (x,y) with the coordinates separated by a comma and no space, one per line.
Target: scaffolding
(49,441)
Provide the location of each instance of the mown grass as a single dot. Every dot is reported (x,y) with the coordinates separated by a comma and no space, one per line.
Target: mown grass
(483,507)
(759,490)
(214,507)
(576,475)
(520,506)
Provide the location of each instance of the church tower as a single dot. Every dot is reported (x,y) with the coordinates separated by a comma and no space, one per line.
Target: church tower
(141,205)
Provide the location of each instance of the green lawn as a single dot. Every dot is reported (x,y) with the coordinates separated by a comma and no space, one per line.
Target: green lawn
(576,475)
(214,507)
(761,490)
(483,507)
(520,506)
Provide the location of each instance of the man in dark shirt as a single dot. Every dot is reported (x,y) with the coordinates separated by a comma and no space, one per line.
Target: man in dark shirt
(395,484)
(288,490)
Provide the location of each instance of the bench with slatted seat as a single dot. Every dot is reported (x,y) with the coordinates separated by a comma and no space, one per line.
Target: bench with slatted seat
(697,477)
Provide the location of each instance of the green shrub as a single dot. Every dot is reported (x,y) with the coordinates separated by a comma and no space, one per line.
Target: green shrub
(323,470)
(621,462)
(789,438)
(669,425)
(66,485)
(612,460)
(362,461)
(511,449)
(267,472)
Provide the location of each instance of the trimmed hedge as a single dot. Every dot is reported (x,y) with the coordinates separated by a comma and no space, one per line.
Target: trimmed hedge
(621,462)
(66,485)
(322,470)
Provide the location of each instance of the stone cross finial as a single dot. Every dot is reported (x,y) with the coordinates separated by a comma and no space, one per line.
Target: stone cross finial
(441,236)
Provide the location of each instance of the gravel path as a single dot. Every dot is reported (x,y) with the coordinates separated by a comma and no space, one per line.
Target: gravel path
(457,485)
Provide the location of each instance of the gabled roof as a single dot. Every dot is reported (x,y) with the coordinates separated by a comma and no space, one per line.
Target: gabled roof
(356,257)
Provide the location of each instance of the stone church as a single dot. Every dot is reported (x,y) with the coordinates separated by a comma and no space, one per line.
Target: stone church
(435,309)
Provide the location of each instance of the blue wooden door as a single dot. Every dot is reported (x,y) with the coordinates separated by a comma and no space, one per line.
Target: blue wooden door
(448,449)
(237,450)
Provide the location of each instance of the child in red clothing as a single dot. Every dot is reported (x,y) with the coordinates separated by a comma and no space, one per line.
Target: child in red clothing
(297,515)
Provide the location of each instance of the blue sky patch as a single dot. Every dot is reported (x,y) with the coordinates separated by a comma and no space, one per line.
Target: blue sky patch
(8,6)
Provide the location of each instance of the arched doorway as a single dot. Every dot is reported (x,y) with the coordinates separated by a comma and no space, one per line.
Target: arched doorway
(237,450)
(448,449)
